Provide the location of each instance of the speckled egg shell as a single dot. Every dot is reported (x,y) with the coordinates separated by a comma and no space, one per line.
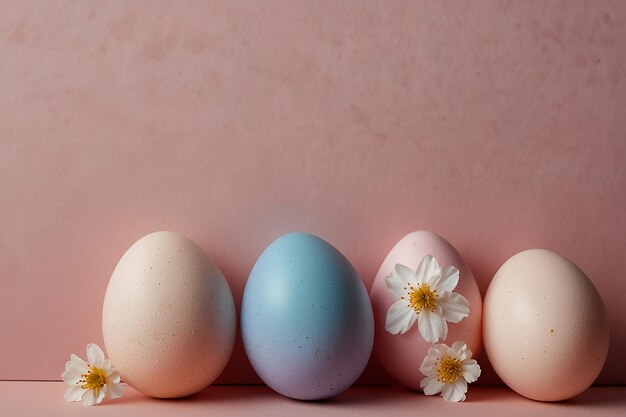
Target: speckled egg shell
(545,328)
(306,318)
(168,318)
(401,354)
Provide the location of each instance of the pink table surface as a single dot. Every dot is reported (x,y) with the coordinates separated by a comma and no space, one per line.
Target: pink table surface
(499,125)
(46,399)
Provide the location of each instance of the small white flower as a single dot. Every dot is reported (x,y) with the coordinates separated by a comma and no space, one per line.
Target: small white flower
(90,381)
(425,296)
(448,370)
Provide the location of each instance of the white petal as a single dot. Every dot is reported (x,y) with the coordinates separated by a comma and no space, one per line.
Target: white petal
(465,354)
(71,375)
(113,375)
(461,351)
(433,279)
(400,318)
(427,268)
(461,385)
(101,394)
(95,355)
(429,370)
(432,326)
(431,385)
(411,322)
(74,393)
(106,365)
(395,284)
(455,307)
(438,351)
(78,362)
(405,275)
(455,392)
(94,397)
(115,390)
(429,366)
(90,397)
(74,368)
(470,370)
(457,350)
(429,360)
(448,279)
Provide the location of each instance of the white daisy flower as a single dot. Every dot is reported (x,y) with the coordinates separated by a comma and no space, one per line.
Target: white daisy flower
(425,296)
(90,381)
(448,370)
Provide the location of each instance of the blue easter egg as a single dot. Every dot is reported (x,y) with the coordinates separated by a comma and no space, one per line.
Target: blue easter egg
(306,318)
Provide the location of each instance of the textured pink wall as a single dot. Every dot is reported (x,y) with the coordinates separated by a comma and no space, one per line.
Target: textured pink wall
(500,125)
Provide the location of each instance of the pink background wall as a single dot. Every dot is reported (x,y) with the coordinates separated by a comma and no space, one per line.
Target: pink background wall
(500,125)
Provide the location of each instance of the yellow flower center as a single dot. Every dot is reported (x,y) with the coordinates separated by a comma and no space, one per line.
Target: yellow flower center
(422,298)
(449,370)
(94,379)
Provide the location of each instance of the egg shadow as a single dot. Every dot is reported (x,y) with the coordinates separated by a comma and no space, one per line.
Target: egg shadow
(229,393)
(210,394)
(609,396)
(361,395)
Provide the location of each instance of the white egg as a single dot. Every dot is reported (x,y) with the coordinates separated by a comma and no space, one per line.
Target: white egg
(545,328)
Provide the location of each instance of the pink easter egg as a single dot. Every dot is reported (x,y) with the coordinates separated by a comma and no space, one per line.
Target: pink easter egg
(401,354)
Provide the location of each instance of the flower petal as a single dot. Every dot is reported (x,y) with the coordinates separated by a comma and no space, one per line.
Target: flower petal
(438,351)
(105,364)
(400,318)
(115,390)
(71,375)
(461,351)
(113,375)
(461,385)
(465,354)
(432,326)
(74,393)
(78,362)
(455,392)
(431,385)
(455,307)
(74,368)
(90,397)
(396,284)
(429,366)
(432,280)
(405,275)
(448,279)
(429,370)
(101,394)
(470,370)
(94,397)
(427,268)
(95,355)
(457,350)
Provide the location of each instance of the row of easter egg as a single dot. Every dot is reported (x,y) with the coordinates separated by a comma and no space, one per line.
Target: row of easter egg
(309,326)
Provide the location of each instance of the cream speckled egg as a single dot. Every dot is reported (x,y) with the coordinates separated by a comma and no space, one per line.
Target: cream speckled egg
(545,329)
(168,318)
